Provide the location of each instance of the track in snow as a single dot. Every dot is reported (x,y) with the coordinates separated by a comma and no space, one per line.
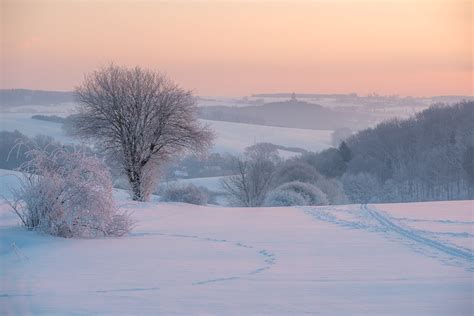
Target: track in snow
(267,257)
(369,219)
(411,234)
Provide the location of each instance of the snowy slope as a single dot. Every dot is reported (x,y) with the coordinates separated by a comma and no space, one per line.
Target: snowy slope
(31,127)
(190,260)
(8,180)
(211,183)
(230,137)
(234,137)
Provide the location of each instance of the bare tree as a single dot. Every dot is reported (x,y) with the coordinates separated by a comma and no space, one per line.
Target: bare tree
(141,118)
(253,176)
(237,186)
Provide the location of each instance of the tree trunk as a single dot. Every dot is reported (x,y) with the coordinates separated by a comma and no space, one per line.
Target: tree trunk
(137,194)
(135,181)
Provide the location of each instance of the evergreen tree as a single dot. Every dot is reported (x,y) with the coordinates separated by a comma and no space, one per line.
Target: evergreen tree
(345,151)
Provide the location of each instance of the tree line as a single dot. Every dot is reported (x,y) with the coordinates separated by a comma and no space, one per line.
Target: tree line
(427,157)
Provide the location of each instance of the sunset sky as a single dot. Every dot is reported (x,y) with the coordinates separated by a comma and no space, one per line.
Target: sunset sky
(406,47)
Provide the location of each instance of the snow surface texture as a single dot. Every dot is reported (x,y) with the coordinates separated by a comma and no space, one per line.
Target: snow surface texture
(194,260)
(230,137)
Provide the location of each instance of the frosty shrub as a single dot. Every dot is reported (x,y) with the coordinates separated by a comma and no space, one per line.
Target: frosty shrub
(295,171)
(284,198)
(333,189)
(309,193)
(187,193)
(67,193)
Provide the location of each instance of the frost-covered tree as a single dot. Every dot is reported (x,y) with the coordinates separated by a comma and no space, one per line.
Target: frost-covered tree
(296,193)
(425,157)
(468,163)
(253,176)
(139,117)
(295,170)
(345,152)
(67,193)
(361,187)
(298,170)
(333,189)
(329,162)
(284,198)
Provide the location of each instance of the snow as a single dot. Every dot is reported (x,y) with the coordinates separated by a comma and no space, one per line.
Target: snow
(230,137)
(234,137)
(210,183)
(390,259)
(196,260)
(438,220)
(8,180)
(32,127)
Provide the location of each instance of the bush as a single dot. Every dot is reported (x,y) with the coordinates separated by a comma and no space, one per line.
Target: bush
(68,194)
(188,194)
(309,193)
(290,171)
(333,189)
(284,198)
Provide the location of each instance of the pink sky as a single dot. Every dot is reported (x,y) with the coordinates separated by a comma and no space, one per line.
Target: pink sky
(415,47)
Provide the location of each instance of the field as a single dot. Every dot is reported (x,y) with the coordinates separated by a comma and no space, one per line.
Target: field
(230,137)
(196,260)
(181,259)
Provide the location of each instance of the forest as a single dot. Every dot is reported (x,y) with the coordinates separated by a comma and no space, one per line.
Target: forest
(427,157)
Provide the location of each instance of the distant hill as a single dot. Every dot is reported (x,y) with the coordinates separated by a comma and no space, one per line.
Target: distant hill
(305,95)
(289,113)
(18,97)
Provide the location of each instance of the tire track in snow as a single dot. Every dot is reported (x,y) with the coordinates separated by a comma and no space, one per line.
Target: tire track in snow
(372,220)
(411,234)
(440,221)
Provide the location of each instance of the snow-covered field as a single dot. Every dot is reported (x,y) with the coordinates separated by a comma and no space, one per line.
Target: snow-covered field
(234,137)
(31,127)
(210,183)
(230,137)
(194,260)
(386,259)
